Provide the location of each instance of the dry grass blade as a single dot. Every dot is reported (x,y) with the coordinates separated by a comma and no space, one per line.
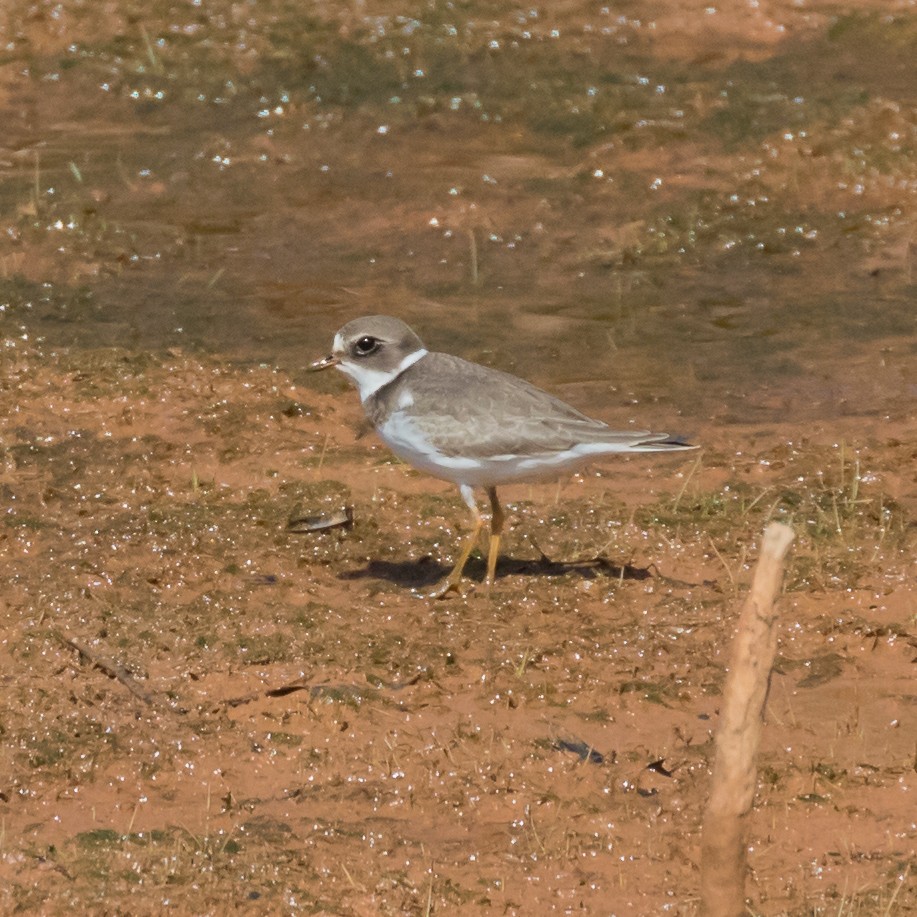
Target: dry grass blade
(114,670)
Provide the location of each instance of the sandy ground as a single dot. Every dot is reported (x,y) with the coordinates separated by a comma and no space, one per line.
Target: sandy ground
(203,710)
(211,712)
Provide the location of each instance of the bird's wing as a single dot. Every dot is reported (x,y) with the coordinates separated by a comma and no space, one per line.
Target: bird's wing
(501,414)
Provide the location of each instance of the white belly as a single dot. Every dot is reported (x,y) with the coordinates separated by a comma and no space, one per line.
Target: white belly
(404,438)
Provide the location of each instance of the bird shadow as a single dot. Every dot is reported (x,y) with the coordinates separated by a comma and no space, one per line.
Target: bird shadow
(427,571)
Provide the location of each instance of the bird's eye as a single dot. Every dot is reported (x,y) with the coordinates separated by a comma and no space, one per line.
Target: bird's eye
(366,345)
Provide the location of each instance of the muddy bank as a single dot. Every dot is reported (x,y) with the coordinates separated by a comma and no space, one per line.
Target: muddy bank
(693,219)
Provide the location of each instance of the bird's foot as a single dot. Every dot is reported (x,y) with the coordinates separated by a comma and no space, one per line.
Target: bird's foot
(445,586)
(453,583)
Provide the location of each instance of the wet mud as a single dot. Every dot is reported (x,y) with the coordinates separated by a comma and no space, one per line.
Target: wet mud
(685,217)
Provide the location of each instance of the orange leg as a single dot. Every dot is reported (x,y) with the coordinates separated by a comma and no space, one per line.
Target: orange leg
(497,518)
(452,582)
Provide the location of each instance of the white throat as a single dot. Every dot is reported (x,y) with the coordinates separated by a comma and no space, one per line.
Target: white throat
(369,380)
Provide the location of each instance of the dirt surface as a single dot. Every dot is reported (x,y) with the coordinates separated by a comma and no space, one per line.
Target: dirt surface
(292,727)
(204,710)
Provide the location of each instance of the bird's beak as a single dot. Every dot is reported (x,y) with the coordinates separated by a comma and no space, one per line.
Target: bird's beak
(324,363)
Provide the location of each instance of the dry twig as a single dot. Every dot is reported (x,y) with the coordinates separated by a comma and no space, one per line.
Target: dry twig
(112,669)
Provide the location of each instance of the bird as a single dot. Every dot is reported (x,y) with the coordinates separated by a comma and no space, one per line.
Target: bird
(470,424)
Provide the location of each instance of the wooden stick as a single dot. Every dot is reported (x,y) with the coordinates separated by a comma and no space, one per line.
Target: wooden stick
(723,842)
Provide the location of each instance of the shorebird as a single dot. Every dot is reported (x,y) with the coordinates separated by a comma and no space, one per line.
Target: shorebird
(469,424)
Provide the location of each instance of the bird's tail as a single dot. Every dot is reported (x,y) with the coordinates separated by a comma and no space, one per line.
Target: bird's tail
(661,442)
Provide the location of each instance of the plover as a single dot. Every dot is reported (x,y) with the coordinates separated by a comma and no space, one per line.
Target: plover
(465,423)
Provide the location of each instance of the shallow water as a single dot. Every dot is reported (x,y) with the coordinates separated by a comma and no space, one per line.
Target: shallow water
(695,214)
(693,217)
